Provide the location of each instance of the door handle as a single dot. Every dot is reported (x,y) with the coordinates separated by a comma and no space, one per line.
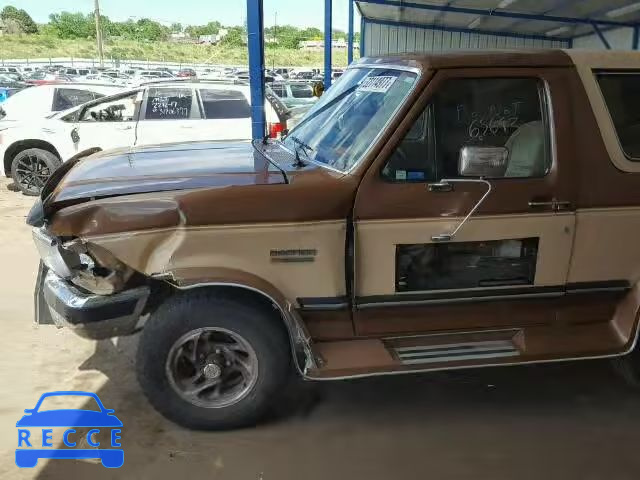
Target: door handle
(555,205)
(442,186)
(538,204)
(562,206)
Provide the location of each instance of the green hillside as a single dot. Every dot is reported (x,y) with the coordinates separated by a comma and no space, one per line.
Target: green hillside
(44,46)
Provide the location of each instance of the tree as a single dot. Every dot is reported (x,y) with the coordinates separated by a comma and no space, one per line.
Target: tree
(147,29)
(20,17)
(72,25)
(176,27)
(338,34)
(211,28)
(236,37)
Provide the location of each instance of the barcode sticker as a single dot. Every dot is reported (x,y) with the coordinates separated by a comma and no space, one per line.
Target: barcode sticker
(377,84)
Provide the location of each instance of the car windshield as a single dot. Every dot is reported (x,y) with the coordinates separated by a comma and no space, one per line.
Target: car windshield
(345,122)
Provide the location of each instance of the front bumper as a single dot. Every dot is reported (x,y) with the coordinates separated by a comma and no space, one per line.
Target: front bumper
(91,316)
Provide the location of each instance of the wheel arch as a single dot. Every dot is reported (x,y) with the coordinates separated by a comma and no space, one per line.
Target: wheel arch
(265,295)
(21,145)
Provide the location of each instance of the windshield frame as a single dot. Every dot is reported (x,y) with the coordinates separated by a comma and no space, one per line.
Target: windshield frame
(383,66)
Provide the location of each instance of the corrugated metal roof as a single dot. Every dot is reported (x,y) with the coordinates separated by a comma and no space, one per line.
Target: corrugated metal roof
(546,23)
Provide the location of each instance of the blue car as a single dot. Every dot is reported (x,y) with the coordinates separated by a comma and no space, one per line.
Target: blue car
(71,418)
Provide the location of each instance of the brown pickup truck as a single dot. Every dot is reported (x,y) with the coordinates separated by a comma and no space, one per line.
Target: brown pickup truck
(430,212)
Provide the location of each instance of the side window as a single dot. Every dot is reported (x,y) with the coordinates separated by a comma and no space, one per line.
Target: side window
(169,104)
(498,125)
(622,95)
(122,109)
(64,98)
(220,104)
(301,91)
(439,266)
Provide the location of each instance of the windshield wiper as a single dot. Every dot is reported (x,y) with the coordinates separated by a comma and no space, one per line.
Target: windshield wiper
(300,145)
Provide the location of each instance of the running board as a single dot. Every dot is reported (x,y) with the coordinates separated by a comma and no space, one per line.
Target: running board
(456,350)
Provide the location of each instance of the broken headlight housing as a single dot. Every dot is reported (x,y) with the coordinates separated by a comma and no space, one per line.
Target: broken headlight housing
(88,266)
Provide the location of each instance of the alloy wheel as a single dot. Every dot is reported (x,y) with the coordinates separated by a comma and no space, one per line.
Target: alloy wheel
(212,367)
(32,173)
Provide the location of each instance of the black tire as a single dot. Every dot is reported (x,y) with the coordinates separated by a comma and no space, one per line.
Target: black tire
(628,368)
(31,168)
(194,311)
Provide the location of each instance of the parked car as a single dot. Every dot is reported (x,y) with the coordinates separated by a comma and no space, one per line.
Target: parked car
(305,74)
(10,86)
(25,70)
(103,79)
(431,212)
(294,94)
(187,72)
(37,102)
(243,76)
(146,115)
(283,72)
(212,74)
(44,78)
(18,77)
(10,69)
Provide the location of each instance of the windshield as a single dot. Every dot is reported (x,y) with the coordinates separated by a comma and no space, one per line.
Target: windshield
(345,122)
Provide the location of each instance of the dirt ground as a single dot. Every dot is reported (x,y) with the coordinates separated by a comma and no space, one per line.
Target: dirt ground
(574,421)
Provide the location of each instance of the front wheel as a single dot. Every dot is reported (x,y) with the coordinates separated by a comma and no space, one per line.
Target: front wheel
(32,168)
(212,363)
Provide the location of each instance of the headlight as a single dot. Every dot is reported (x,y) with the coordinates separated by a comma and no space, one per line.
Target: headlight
(61,263)
(87,266)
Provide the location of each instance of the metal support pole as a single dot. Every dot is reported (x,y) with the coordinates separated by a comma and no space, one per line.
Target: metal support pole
(350,34)
(362,37)
(636,37)
(255,40)
(327,43)
(603,39)
(99,32)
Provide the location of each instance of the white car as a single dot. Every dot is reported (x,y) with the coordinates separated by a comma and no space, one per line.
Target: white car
(146,115)
(141,76)
(40,101)
(10,69)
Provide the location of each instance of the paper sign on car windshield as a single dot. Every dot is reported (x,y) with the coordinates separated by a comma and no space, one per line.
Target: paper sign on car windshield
(377,84)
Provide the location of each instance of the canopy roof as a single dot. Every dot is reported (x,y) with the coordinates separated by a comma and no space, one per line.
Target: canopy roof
(554,19)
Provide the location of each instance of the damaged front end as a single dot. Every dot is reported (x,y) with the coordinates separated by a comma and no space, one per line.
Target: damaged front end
(85,288)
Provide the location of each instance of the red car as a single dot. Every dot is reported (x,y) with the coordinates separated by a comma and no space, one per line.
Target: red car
(187,73)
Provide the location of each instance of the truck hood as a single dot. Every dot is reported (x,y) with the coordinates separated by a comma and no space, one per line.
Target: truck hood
(161,168)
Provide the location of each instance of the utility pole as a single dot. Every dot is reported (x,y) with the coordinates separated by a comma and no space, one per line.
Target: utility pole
(99,32)
(275,36)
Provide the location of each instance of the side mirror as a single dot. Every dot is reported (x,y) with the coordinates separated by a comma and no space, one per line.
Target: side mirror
(483,162)
(28,410)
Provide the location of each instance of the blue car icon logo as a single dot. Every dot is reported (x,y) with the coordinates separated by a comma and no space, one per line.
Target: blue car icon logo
(30,450)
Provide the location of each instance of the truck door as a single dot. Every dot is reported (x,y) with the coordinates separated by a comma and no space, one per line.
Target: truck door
(466,218)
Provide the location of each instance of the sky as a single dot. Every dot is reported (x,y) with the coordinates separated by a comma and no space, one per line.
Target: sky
(301,13)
